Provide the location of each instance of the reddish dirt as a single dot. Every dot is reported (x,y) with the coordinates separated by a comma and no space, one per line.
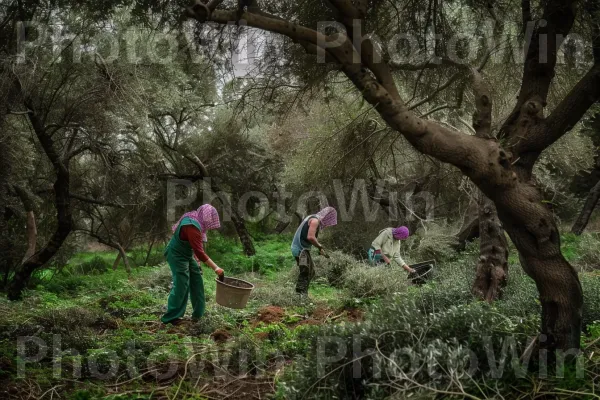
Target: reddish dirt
(270,314)
(322,313)
(308,322)
(220,336)
(355,314)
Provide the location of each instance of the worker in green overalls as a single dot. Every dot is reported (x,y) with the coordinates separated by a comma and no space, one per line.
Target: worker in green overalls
(187,241)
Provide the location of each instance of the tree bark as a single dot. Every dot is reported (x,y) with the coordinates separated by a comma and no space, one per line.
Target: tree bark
(149,252)
(587,210)
(27,198)
(124,258)
(117,261)
(62,202)
(242,231)
(492,266)
(31,236)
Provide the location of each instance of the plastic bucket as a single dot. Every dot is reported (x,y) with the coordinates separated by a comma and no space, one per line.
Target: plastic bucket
(233,293)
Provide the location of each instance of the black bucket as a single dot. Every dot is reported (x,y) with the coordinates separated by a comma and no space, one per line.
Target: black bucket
(423,272)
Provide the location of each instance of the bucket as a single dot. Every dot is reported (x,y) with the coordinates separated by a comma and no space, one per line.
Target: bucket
(233,293)
(423,272)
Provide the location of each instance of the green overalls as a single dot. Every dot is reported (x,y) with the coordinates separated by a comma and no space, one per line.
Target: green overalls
(187,277)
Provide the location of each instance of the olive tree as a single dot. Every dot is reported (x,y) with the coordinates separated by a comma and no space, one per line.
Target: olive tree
(502,168)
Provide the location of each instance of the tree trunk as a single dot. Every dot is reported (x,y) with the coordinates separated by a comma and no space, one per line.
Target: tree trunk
(63,229)
(62,202)
(281,226)
(588,209)
(240,228)
(124,258)
(31,236)
(149,252)
(533,230)
(117,261)
(492,267)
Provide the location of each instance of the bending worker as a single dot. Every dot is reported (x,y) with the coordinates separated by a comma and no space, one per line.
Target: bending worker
(188,237)
(386,247)
(305,237)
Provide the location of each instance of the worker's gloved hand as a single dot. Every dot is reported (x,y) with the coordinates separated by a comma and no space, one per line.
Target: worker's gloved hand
(323,253)
(219,271)
(412,270)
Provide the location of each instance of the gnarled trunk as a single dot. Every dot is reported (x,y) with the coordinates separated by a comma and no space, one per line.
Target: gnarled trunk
(532,228)
(587,210)
(62,201)
(492,266)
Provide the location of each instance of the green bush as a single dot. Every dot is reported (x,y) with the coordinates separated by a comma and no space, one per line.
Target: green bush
(335,267)
(431,349)
(95,266)
(582,251)
(362,280)
(64,285)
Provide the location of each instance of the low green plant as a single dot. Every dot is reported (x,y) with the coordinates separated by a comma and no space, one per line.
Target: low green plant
(97,265)
(64,284)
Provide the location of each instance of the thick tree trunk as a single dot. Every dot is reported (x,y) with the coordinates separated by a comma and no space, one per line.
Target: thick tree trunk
(492,267)
(533,230)
(588,209)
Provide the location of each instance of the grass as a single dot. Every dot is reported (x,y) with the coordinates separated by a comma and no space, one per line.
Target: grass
(115,314)
(114,317)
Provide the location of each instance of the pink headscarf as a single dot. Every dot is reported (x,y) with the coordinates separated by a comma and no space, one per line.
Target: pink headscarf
(327,217)
(207,216)
(400,233)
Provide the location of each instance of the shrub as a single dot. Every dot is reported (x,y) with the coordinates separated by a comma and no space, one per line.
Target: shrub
(335,267)
(362,280)
(434,243)
(408,346)
(95,266)
(64,285)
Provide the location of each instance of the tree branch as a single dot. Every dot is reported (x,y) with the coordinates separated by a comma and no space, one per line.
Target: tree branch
(568,112)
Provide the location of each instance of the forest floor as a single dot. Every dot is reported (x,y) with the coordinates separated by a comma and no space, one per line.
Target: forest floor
(112,319)
(91,332)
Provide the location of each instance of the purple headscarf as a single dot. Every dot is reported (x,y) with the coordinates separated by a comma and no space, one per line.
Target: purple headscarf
(327,217)
(207,216)
(400,233)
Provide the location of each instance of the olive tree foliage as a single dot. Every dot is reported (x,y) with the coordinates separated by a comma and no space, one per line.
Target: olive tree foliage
(69,109)
(501,168)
